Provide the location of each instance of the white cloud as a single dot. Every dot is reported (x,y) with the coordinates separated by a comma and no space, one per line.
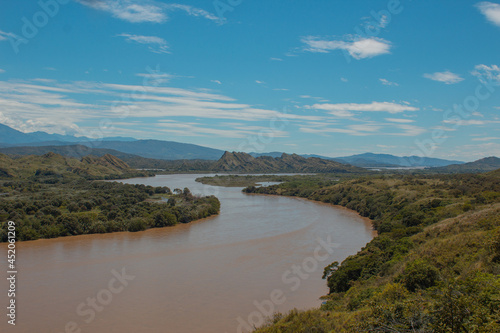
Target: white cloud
(361,48)
(446,77)
(129,10)
(156,44)
(144,11)
(386,82)
(5,35)
(343,79)
(463,122)
(409,130)
(399,120)
(276,59)
(474,152)
(491,11)
(487,74)
(28,106)
(444,128)
(2,71)
(216,81)
(193,11)
(196,129)
(364,129)
(259,82)
(486,139)
(155,78)
(348,108)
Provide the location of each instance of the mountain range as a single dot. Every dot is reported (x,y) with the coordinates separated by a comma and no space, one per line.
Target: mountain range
(483,165)
(130,149)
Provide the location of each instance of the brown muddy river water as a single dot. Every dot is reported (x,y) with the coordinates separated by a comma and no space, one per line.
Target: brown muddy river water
(222,274)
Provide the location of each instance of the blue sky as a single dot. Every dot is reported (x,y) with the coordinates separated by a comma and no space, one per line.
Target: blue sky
(321,77)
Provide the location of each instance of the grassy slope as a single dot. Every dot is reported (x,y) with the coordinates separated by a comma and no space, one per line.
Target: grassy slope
(434,268)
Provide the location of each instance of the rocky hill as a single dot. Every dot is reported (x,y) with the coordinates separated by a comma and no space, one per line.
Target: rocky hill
(245,163)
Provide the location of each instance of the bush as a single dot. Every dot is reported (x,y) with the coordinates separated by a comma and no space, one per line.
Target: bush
(418,274)
(137,224)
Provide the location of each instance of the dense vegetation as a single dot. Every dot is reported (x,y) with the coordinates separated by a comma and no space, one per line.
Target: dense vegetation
(435,266)
(51,196)
(254,180)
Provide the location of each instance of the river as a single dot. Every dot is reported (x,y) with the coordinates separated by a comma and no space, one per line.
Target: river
(221,274)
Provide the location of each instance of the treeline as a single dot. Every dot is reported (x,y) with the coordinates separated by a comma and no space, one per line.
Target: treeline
(433,268)
(45,211)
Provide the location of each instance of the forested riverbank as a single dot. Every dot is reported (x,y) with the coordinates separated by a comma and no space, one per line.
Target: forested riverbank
(433,268)
(52,196)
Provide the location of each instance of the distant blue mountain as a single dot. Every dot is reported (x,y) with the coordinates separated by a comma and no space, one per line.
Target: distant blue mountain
(10,136)
(386,160)
(371,160)
(170,150)
(156,149)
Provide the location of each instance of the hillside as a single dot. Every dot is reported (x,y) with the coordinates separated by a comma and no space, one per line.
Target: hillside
(76,151)
(482,165)
(134,161)
(52,196)
(53,167)
(164,150)
(434,267)
(245,163)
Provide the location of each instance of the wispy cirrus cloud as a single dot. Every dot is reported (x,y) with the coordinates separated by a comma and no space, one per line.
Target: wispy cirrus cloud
(347,109)
(386,82)
(359,48)
(487,74)
(156,78)
(366,129)
(36,105)
(155,44)
(463,122)
(491,138)
(400,120)
(5,35)
(128,10)
(144,11)
(445,77)
(193,11)
(491,11)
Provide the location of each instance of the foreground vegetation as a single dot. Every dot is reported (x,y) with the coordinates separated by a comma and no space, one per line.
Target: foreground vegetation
(51,196)
(435,266)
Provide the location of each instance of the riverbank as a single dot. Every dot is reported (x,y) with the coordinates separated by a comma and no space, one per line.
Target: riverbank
(89,207)
(424,223)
